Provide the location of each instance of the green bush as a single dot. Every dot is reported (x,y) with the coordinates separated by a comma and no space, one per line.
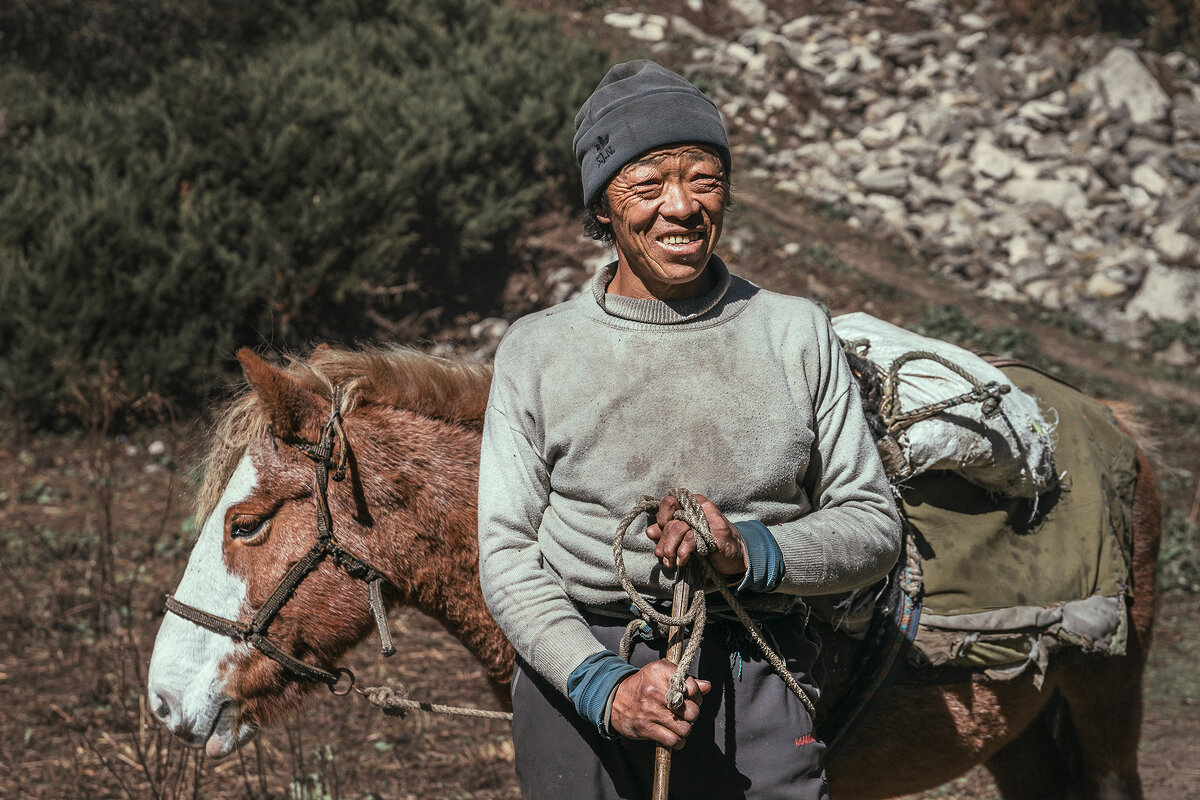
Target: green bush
(372,164)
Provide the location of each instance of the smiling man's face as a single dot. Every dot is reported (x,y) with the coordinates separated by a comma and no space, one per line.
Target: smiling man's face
(666,211)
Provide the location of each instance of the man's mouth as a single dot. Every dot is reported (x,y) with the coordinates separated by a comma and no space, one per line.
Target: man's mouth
(676,239)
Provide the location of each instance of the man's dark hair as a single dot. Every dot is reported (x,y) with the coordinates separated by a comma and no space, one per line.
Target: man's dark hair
(602,231)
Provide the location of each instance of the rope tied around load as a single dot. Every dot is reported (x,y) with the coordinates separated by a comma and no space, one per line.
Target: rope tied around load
(880,388)
(988,394)
(698,574)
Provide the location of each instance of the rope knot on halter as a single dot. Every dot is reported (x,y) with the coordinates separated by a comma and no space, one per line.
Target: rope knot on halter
(700,576)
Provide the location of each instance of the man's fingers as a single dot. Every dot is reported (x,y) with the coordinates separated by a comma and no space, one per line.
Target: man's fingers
(640,710)
(675,727)
(685,548)
(666,737)
(666,510)
(673,535)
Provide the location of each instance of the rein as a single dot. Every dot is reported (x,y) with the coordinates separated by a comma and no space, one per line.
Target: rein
(333,437)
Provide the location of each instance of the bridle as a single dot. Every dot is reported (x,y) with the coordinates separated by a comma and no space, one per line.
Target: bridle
(326,546)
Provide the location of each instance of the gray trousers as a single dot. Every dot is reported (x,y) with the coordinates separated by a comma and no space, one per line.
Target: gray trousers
(753,739)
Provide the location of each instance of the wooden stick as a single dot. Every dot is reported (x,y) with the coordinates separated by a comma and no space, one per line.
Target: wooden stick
(662,755)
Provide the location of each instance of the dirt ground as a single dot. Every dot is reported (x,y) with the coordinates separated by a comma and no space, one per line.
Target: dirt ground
(95,529)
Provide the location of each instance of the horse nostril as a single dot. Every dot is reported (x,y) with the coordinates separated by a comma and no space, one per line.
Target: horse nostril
(162,706)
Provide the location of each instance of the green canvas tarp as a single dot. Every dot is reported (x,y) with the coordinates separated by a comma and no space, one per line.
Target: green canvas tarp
(1009,580)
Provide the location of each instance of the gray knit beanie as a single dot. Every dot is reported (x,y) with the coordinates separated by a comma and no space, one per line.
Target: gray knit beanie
(637,107)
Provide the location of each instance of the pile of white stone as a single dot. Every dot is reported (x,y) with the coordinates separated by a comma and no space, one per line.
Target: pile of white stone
(1064,172)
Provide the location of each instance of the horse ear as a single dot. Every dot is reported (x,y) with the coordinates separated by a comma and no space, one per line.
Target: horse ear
(295,411)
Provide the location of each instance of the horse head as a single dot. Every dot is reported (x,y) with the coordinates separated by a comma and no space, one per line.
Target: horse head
(223,666)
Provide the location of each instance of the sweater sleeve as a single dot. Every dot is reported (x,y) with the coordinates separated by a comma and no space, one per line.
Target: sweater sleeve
(852,536)
(526,597)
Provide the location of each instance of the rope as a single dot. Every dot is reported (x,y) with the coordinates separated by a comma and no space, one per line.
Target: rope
(696,616)
(393,699)
(987,394)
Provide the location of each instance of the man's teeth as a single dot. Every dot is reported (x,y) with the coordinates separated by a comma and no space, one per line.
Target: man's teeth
(680,238)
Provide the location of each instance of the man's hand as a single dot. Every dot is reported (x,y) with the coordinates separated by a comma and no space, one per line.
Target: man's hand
(675,540)
(639,709)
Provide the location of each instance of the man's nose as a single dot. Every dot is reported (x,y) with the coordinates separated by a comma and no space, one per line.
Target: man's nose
(679,201)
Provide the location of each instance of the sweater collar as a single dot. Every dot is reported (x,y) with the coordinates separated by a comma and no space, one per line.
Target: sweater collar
(660,312)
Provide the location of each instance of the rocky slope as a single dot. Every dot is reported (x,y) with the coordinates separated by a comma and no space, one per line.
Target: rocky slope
(1061,172)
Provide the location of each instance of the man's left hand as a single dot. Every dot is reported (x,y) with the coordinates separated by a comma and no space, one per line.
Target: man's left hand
(675,541)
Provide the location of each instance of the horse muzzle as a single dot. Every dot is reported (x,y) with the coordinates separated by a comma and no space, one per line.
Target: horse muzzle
(215,726)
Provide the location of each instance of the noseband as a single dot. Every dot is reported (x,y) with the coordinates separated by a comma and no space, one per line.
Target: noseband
(326,545)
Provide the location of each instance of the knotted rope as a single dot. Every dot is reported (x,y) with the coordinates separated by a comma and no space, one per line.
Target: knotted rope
(696,616)
(879,390)
(393,699)
(987,394)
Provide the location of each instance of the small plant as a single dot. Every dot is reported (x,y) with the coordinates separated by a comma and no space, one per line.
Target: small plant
(949,323)
(1164,332)
(833,213)
(823,255)
(1179,560)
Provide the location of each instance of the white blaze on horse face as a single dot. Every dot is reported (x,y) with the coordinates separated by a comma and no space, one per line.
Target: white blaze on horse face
(186,688)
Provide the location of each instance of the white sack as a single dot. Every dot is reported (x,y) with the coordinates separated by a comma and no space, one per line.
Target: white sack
(1009,453)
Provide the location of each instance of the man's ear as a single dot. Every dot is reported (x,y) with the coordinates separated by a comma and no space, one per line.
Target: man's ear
(603,211)
(295,412)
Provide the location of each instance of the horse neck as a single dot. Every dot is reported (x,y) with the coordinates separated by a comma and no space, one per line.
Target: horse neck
(427,533)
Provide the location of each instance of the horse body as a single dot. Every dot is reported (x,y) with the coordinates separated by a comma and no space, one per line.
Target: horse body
(407,507)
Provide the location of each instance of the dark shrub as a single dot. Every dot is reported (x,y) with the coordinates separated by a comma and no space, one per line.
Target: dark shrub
(373,164)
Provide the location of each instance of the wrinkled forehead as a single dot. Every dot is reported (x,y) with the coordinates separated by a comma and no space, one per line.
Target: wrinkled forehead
(683,155)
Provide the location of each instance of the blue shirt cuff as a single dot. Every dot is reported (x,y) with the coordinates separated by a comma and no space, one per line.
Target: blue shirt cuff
(765,559)
(591,683)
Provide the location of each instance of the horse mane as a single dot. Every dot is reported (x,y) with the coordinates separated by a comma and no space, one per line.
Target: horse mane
(446,389)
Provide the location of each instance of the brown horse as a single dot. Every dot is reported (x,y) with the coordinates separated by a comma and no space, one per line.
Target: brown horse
(408,436)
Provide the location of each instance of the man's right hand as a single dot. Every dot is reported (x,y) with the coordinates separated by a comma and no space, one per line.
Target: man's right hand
(639,709)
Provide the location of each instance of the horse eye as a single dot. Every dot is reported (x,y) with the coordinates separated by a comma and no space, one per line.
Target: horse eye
(248,529)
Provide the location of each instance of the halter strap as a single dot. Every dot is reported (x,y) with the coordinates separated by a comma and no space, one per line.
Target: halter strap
(333,437)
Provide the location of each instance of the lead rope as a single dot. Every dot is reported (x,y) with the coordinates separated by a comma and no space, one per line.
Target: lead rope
(393,699)
(691,513)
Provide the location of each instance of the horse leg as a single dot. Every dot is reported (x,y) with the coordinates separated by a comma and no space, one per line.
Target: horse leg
(1105,701)
(1104,695)
(1032,765)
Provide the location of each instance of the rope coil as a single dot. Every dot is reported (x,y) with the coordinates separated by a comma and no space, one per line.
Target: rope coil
(697,613)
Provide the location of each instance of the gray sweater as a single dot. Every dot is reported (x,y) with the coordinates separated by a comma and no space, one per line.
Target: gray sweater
(742,395)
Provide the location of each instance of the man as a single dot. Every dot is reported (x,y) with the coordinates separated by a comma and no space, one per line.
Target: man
(669,372)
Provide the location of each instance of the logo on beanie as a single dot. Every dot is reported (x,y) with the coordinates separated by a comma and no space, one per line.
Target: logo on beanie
(603,149)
